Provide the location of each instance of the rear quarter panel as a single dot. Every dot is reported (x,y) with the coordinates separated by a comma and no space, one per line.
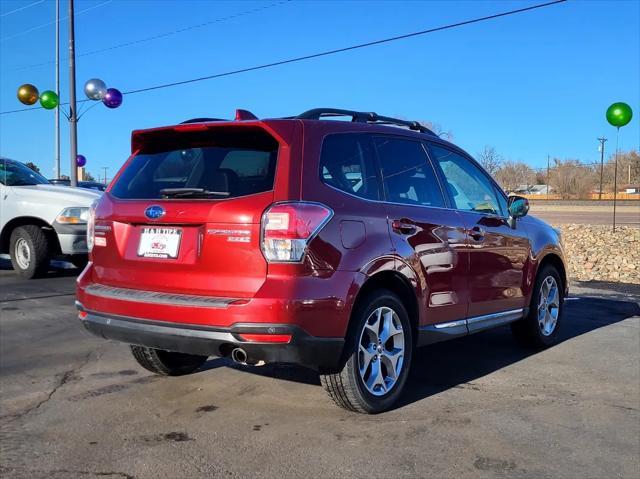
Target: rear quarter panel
(357,237)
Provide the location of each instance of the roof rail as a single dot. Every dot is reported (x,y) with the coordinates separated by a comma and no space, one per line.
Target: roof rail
(201,120)
(363,117)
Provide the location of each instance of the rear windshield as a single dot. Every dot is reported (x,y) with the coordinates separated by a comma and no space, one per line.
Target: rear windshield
(219,164)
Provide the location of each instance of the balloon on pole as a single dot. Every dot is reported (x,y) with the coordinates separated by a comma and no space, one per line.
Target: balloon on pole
(81,161)
(28,94)
(95,89)
(49,100)
(619,114)
(113,98)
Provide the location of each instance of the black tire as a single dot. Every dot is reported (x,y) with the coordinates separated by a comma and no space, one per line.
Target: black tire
(167,363)
(528,331)
(35,241)
(347,387)
(79,260)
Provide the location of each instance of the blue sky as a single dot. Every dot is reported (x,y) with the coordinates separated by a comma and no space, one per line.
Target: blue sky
(530,85)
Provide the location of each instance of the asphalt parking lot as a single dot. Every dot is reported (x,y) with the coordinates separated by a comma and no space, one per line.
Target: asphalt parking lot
(72,405)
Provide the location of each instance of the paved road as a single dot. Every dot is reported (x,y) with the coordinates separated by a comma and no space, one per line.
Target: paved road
(72,405)
(624,218)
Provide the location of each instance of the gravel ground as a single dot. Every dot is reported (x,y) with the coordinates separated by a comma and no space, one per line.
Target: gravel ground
(595,252)
(72,405)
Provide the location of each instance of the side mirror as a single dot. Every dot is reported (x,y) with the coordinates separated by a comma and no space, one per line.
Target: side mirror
(518,207)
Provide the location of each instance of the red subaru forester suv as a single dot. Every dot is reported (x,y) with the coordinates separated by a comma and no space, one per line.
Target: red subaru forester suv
(336,245)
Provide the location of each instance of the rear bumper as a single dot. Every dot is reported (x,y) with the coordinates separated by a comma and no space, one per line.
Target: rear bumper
(302,349)
(319,305)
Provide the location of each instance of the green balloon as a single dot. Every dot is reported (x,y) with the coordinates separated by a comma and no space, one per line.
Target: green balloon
(619,114)
(49,99)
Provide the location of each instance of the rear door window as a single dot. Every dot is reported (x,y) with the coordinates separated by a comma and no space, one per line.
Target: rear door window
(346,163)
(201,165)
(407,174)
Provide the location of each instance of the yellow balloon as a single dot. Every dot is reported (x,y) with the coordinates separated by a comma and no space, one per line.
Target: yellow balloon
(28,94)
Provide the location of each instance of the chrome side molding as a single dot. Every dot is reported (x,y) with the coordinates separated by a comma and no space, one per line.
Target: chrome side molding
(486,321)
(434,333)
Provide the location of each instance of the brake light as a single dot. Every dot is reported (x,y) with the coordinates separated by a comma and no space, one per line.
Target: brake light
(91,225)
(287,229)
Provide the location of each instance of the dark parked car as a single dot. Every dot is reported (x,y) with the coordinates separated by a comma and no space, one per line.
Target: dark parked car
(340,246)
(91,185)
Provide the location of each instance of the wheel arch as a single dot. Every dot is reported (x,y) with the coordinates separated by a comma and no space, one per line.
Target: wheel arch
(555,261)
(5,234)
(397,284)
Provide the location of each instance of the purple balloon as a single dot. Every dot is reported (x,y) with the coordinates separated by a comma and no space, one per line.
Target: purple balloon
(113,98)
(81,161)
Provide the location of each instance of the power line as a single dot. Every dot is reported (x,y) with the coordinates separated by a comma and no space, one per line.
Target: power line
(325,53)
(161,35)
(53,22)
(21,8)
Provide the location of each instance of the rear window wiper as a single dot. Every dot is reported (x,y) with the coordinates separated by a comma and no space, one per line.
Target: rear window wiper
(190,192)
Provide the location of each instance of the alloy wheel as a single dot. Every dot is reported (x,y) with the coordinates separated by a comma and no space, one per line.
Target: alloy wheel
(381,351)
(548,306)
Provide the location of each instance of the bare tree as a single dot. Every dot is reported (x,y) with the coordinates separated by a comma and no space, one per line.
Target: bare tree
(490,159)
(438,130)
(33,166)
(513,174)
(88,176)
(628,169)
(571,179)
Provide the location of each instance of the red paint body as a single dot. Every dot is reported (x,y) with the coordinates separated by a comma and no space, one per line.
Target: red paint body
(451,275)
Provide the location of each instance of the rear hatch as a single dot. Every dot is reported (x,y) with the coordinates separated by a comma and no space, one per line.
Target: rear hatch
(183,215)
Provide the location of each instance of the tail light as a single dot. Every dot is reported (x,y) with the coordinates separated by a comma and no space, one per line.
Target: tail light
(287,229)
(91,225)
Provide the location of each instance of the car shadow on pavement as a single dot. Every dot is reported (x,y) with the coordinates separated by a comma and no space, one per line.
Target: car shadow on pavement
(457,363)
(58,269)
(286,372)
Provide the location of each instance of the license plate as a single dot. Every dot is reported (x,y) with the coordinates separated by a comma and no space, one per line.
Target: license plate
(158,242)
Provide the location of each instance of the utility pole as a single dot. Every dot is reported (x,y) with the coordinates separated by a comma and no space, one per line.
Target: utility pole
(105,168)
(56,169)
(548,186)
(601,140)
(73,116)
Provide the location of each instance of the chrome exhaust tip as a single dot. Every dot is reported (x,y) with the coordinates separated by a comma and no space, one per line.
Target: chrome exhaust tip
(238,355)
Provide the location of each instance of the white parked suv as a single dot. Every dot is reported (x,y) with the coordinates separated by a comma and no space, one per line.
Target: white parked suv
(40,221)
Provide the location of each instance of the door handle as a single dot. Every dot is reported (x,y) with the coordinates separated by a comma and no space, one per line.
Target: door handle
(403,226)
(476,233)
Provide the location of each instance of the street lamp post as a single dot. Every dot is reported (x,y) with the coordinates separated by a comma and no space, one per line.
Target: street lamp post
(95,90)
(73,115)
(57,118)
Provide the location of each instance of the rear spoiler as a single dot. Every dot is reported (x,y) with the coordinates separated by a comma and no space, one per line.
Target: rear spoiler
(163,137)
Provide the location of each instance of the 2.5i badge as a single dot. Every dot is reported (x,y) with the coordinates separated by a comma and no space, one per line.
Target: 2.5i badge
(157,242)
